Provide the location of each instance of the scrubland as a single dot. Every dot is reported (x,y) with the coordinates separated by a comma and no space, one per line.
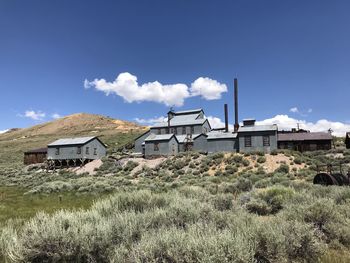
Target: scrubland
(189,208)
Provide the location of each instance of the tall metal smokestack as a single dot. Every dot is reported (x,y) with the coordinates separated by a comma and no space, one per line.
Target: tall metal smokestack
(236,126)
(226,118)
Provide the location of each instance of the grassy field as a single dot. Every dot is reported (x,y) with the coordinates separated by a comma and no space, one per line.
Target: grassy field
(15,205)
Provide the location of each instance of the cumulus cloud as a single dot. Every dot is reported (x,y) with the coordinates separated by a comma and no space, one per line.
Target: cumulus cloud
(300,112)
(3,131)
(285,122)
(294,110)
(216,122)
(34,115)
(127,87)
(150,121)
(207,88)
(56,116)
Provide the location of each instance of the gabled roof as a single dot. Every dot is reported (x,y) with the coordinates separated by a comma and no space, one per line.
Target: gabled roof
(181,138)
(304,136)
(74,141)
(216,135)
(183,118)
(194,111)
(159,137)
(257,128)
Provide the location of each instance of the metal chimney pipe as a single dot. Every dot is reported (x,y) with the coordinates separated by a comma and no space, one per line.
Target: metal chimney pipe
(226,117)
(236,126)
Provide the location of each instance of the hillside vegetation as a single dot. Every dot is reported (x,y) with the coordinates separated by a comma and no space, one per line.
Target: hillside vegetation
(115,133)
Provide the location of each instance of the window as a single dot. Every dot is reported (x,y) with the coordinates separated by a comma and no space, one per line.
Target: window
(79,150)
(183,130)
(87,150)
(57,151)
(192,130)
(174,130)
(248,141)
(156,146)
(159,131)
(95,151)
(266,140)
(167,131)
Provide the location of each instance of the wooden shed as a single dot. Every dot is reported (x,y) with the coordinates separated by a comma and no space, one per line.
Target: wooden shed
(305,141)
(35,156)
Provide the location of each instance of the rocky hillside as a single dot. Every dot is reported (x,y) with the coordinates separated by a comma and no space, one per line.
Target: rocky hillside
(113,132)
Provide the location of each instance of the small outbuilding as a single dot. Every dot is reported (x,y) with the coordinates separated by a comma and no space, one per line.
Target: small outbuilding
(35,156)
(76,151)
(305,141)
(347,140)
(222,142)
(161,145)
(254,138)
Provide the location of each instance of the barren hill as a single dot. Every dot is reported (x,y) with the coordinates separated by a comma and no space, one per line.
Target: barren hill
(113,132)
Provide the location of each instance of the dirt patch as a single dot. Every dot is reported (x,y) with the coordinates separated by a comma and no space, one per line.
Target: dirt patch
(88,168)
(150,163)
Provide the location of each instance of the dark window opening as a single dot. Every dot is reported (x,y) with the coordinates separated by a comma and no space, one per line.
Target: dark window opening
(95,151)
(159,131)
(266,140)
(87,150)
(79,150)
(192,130)
(156,146)
(183,130)
(167,131)
(248,141)
(57,151)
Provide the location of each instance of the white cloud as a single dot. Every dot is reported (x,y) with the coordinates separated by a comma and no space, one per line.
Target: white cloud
(294,110)
(127,87)
(3,131)
(301,112)
(216,122)
(285,122)
(34,115)
(207,88)
(56,116)
(150,121)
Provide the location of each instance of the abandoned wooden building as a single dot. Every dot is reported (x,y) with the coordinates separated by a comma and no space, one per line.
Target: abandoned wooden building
(347,140)
(75,151)
(305,141)
(35,156)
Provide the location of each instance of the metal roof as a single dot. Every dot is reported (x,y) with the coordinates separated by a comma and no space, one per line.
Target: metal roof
(214,135)
(257,128)
(181,138)
(72,141)
(182,120)
(159,137)
(304,136)
(188,111)
(39,150)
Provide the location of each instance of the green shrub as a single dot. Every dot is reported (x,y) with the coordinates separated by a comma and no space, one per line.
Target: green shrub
(261,159)
(284,168)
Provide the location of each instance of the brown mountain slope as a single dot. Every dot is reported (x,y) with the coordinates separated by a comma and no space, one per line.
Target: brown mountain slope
(113,132)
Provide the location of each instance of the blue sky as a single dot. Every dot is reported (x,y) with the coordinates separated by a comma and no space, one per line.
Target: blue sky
(286,54)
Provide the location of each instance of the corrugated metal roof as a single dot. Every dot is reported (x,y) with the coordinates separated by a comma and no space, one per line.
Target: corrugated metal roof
(257,128)
(181,138)
(72,141)
(159,137)
(214,135)
(188,111)
(304,136)
(182,120)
